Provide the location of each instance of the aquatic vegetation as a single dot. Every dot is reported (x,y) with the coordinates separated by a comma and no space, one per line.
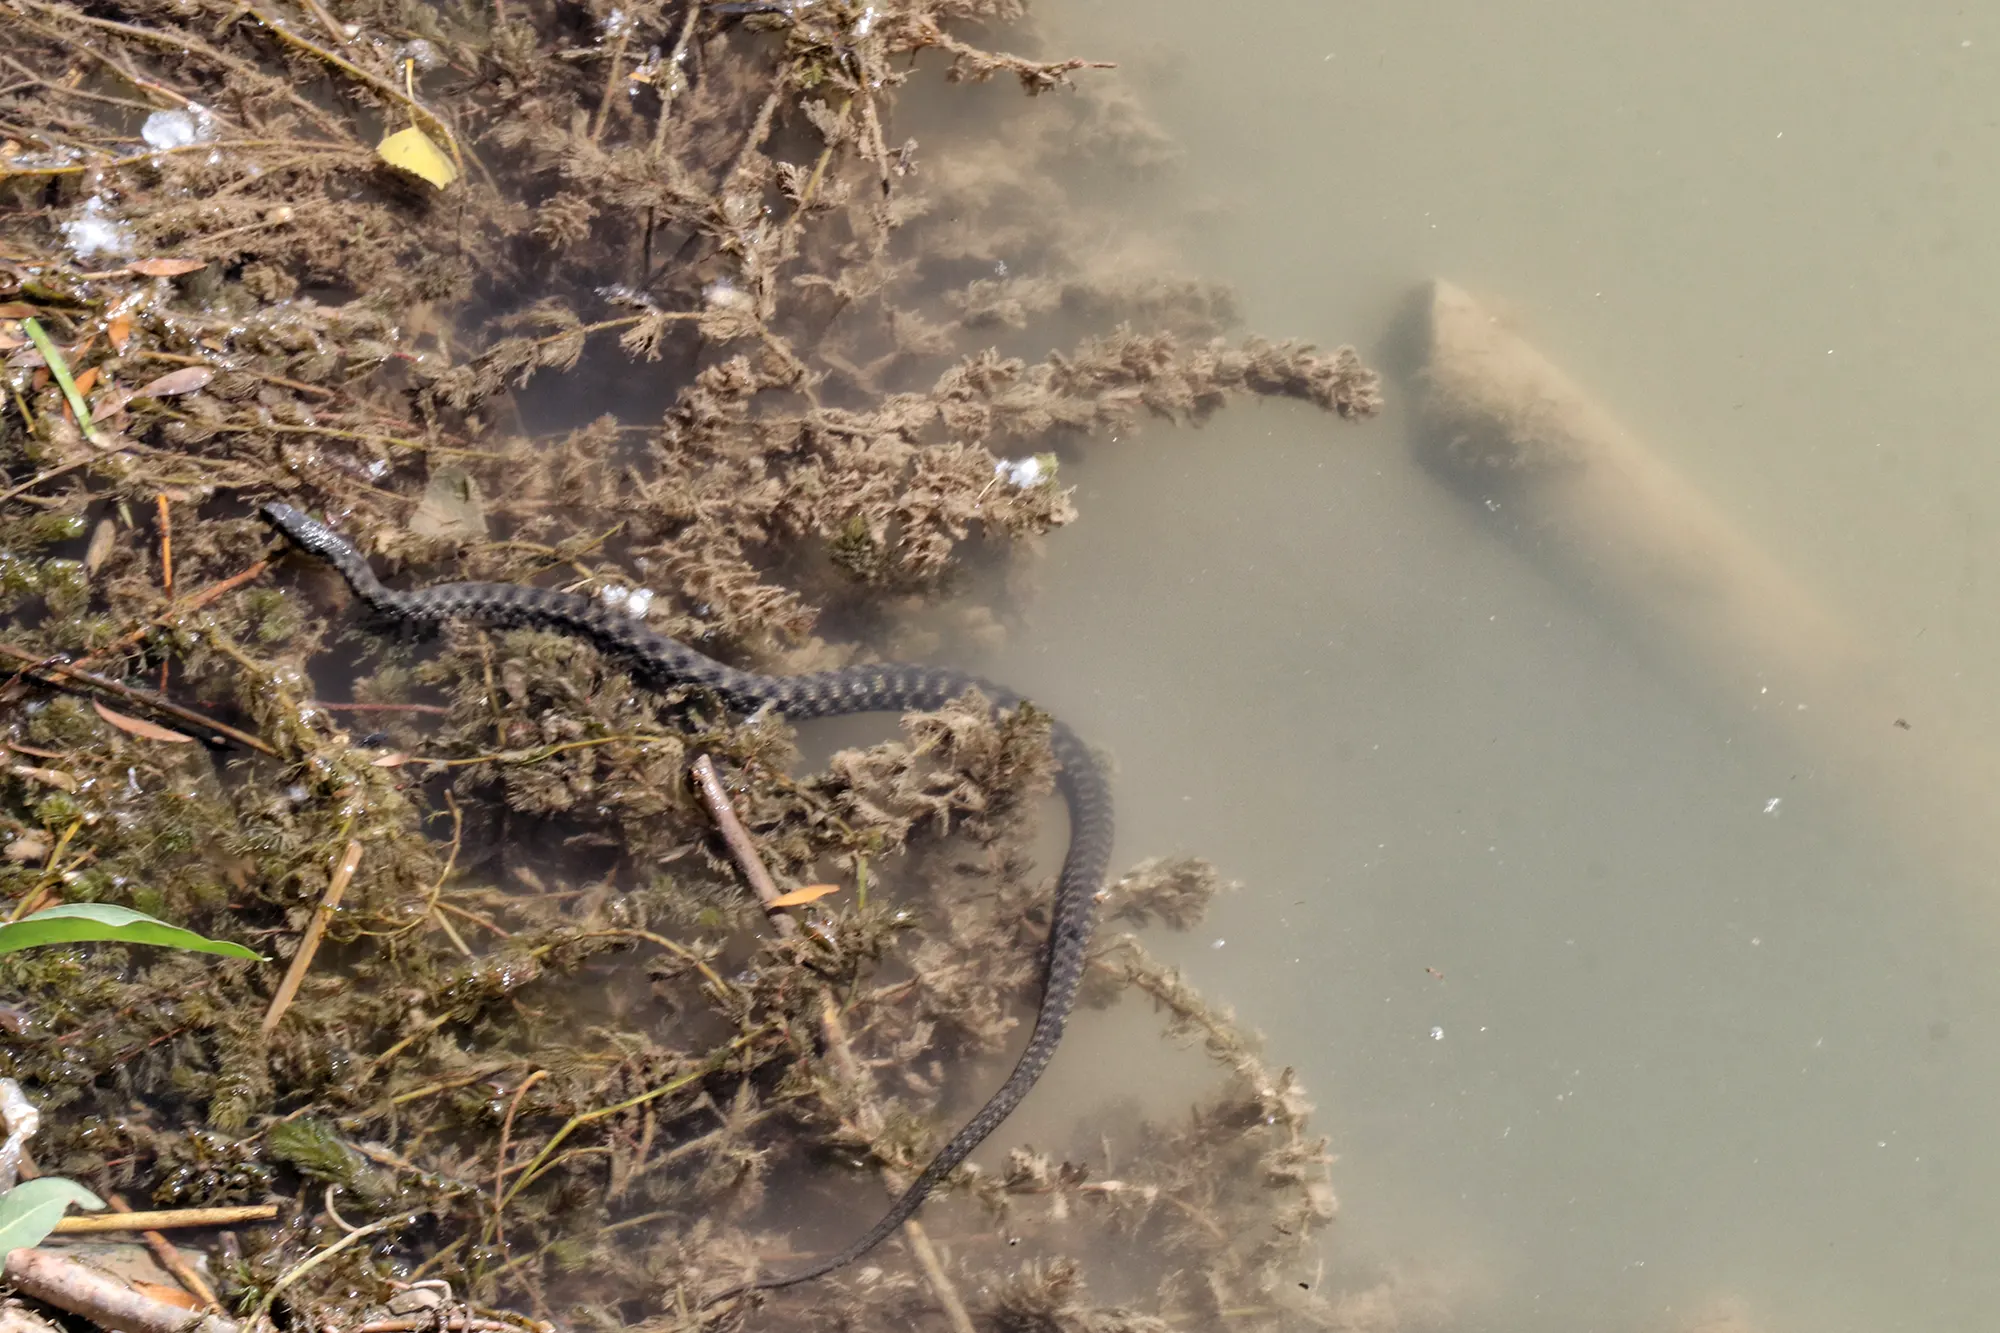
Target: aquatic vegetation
(689,320)
(30,1210)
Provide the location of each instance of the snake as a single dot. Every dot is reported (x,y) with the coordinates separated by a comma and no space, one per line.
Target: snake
(877,688)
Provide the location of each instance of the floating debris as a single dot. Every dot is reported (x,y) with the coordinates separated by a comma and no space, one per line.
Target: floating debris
(178,128)
(94,231)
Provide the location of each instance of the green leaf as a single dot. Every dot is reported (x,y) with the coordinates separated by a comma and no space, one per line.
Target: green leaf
(30,1211)
(73,923)
(60,369)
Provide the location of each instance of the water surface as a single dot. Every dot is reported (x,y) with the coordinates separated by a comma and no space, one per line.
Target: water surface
(1615,1001)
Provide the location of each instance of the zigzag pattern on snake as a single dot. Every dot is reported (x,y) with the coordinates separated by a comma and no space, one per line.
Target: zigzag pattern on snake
(892,688)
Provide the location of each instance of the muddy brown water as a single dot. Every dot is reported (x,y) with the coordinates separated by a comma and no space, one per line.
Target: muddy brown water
(1619,1003)
(1705,1028)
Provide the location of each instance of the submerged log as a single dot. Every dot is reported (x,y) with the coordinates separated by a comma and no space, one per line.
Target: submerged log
(1565,479)
(1599,511)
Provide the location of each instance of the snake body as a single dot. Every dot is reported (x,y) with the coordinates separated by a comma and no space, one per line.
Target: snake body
(891,688)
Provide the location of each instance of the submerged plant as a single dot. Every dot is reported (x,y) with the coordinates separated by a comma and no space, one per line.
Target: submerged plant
(30,1211)
(699,330)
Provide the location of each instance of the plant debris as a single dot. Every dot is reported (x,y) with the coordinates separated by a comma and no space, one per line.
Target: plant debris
(520,1031)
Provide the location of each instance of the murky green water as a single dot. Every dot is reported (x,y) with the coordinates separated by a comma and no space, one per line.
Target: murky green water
(1619,998)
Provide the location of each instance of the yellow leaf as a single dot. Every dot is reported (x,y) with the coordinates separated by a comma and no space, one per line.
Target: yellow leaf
(138,726)
(396,760)
(411,150)
(811,893)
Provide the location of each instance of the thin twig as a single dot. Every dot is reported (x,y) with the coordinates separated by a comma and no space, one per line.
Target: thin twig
(533,1170)
(194,603)
(447,1085)
(42,669)
(377,708)
(385,87)
(309,942)
(333,29)
(250,74)
(60,91)
(170,1258)
(50,475)
(538,753)
(166,548)
(354,1237)
(451,933)
(175,358)
(166,568)
(737,838)
(457,1323)
(437,885)
(840,1052)
(670,71)
(611,75)
(169,95)
(500,1169)
(381,1061)
(135,159)
(167,1219)
(476,919)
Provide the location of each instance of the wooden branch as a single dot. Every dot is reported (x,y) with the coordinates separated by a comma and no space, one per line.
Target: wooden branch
(43,669)
(103,1300)
(309,941)
(166,1219)
(171,1258)
(840,1052)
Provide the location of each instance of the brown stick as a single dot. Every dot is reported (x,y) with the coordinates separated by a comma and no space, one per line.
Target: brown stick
(326,21)
(459,1323)
(105,1301)
(166,568)
(309,942)
(42,668)
(378,708)
(840,1053)
(194,603)
(166,1219)
(603,115)
(500,1170)
(664,85)
(716,797)
(166,547)
(382,86)
(50,475)
(65,16)
(170,1258)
